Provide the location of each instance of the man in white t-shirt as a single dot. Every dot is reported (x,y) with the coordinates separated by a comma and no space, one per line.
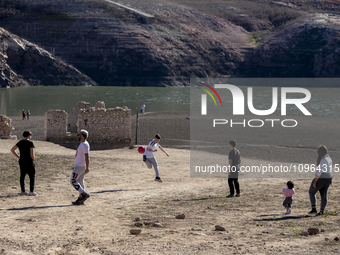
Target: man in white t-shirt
(81,167)
(149,158)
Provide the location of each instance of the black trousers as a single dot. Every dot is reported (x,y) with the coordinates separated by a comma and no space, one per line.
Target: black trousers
(231,183)
(27,167)
(288,202)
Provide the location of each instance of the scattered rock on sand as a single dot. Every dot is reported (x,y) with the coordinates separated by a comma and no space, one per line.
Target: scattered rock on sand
(322,230)
(198,234)
(135,231)
(197,229)
(220,228)
(157,224)
(336,238)
(181,216)
(139,224)
(138,219)
(148,223)
(313,231)
(305,233)
(60,250)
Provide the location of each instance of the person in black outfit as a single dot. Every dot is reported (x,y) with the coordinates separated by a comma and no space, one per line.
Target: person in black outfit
(26,162)
(234,163)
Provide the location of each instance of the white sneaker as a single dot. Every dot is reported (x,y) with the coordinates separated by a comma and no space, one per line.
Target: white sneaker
(289,211)
(32,194)
(23,193)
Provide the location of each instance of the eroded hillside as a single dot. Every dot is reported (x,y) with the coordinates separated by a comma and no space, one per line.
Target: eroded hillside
(186,38)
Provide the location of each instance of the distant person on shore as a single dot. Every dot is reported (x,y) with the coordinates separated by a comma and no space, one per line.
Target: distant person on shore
(26,162)
(81,167)
(322,180)
(23,114)
(234,168)
(149,158)
(288,193)
(142,108)
(28,114)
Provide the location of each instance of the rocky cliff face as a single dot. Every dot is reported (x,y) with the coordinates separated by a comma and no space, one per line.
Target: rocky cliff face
(305,48)
(23,63)
(115,47)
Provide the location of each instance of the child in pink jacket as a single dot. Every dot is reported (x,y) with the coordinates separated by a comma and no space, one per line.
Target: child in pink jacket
(288,192)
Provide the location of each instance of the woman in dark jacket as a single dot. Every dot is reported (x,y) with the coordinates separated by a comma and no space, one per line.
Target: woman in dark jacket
(322,180)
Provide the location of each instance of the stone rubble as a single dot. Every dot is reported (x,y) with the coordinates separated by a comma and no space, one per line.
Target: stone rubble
(6,128)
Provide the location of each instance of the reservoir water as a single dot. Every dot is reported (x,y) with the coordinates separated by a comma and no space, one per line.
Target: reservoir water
(43,98)
(325,102)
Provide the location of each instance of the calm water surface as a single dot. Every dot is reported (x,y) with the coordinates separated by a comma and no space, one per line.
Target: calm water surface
(325,102)
(41,99)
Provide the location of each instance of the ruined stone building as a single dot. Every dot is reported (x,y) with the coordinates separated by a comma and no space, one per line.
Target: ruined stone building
(105,126)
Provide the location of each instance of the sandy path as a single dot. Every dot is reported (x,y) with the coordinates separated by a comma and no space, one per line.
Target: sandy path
(122,188)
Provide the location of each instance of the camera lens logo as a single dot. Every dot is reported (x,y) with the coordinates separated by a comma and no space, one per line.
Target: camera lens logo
(204,97)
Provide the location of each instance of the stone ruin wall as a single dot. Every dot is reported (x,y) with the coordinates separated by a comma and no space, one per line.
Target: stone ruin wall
(111,125)
(73,117)
(6,128)
(105,126)
(55,126)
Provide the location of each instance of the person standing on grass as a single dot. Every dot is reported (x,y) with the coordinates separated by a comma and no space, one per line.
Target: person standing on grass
(26,162)
(149,158)
(234,168)
(322,180)
(81,167)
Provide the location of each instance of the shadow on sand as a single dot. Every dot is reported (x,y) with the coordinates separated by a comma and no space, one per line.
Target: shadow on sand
(115,190)
(118,190)
(34,207)
(286,217)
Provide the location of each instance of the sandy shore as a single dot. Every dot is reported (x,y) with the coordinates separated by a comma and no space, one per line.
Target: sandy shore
(122,188)
(174,128)
(283,145)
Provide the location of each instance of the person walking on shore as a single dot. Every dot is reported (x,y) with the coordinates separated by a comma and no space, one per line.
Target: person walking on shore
(149,158)
(142,108)
(322,180)
(81,167)
(288,192)
(234,168)
(26,162)
(28,114)
(23,114)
